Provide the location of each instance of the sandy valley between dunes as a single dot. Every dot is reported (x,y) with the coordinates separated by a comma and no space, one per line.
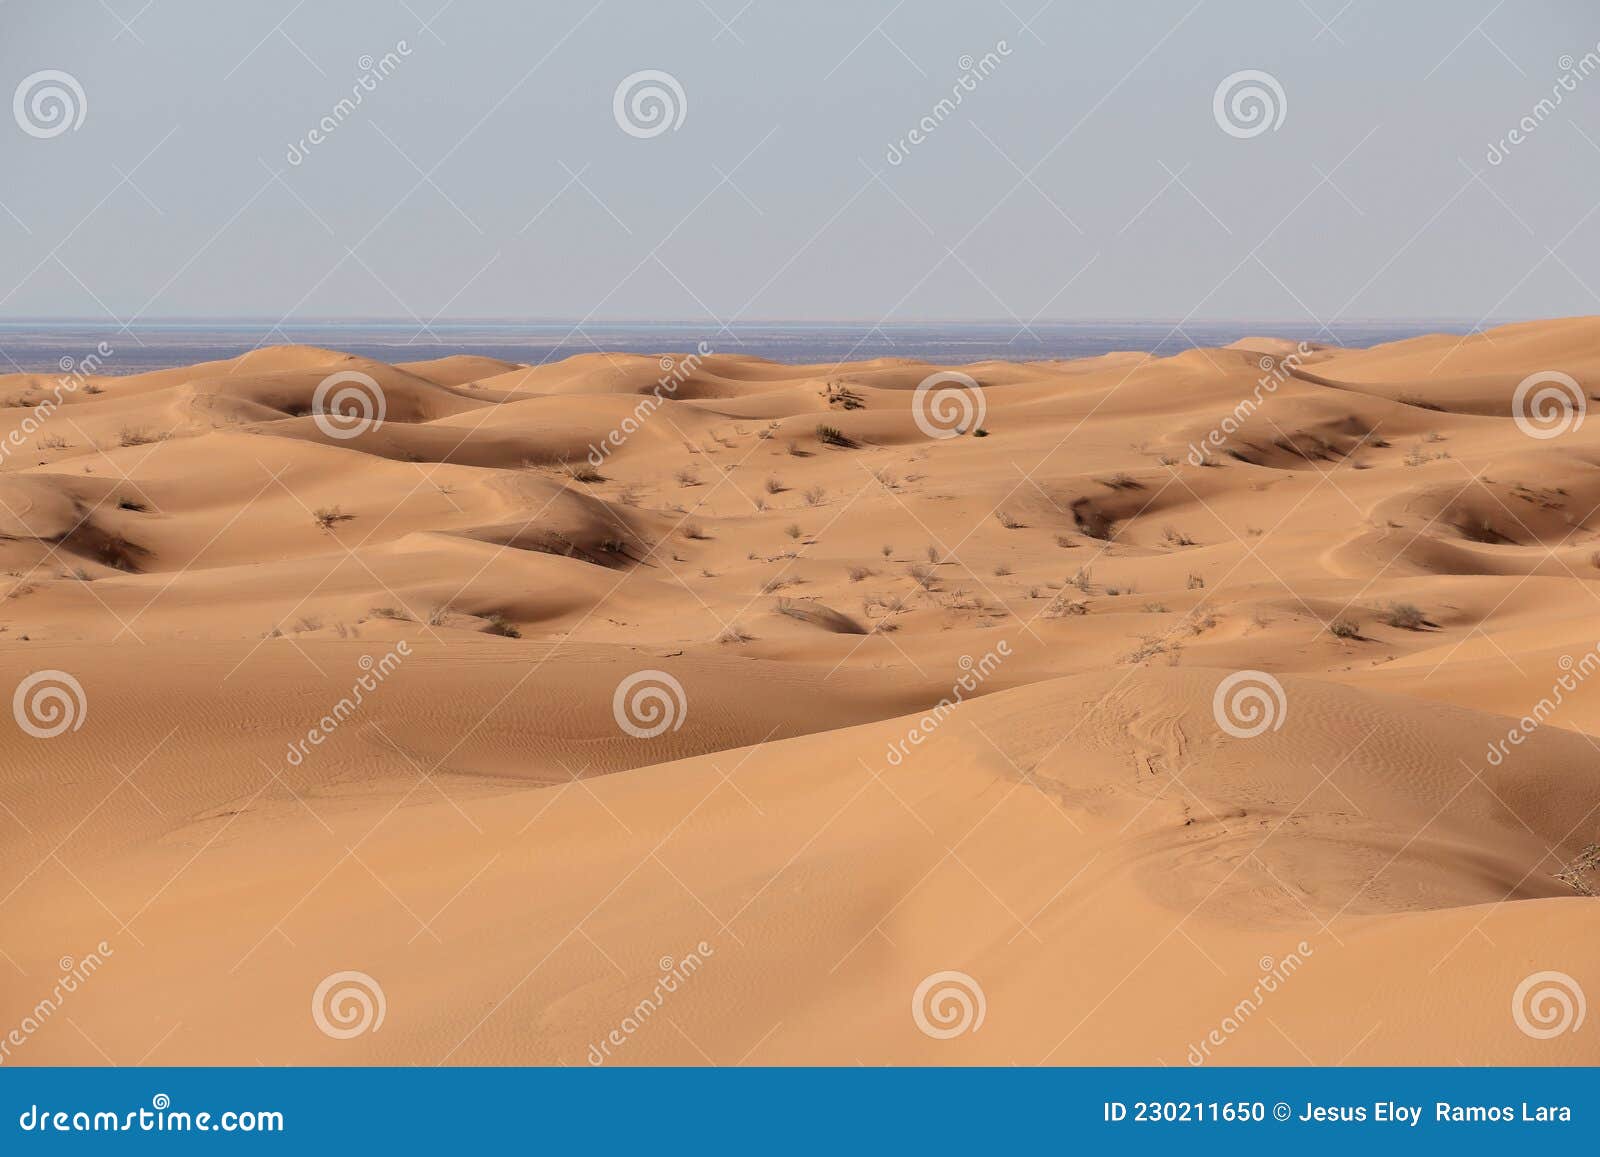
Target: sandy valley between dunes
(1225,707)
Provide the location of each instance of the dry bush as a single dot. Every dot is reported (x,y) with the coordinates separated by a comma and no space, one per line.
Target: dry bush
(1406,616)
(1062,607)
(131,436)
(817,615)
(498,624)
(1584,872)
(1152,645)
(327,516)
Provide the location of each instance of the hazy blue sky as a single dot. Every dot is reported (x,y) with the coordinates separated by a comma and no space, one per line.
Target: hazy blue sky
(1086,176)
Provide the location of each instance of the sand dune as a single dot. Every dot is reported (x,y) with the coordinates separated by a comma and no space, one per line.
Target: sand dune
(1229,707)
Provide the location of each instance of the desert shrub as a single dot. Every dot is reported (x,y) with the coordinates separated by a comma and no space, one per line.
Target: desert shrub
(326,516)
(833,436)
(1406,616)
(498,624)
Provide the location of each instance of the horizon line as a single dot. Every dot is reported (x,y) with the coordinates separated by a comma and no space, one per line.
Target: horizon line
(577,324)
